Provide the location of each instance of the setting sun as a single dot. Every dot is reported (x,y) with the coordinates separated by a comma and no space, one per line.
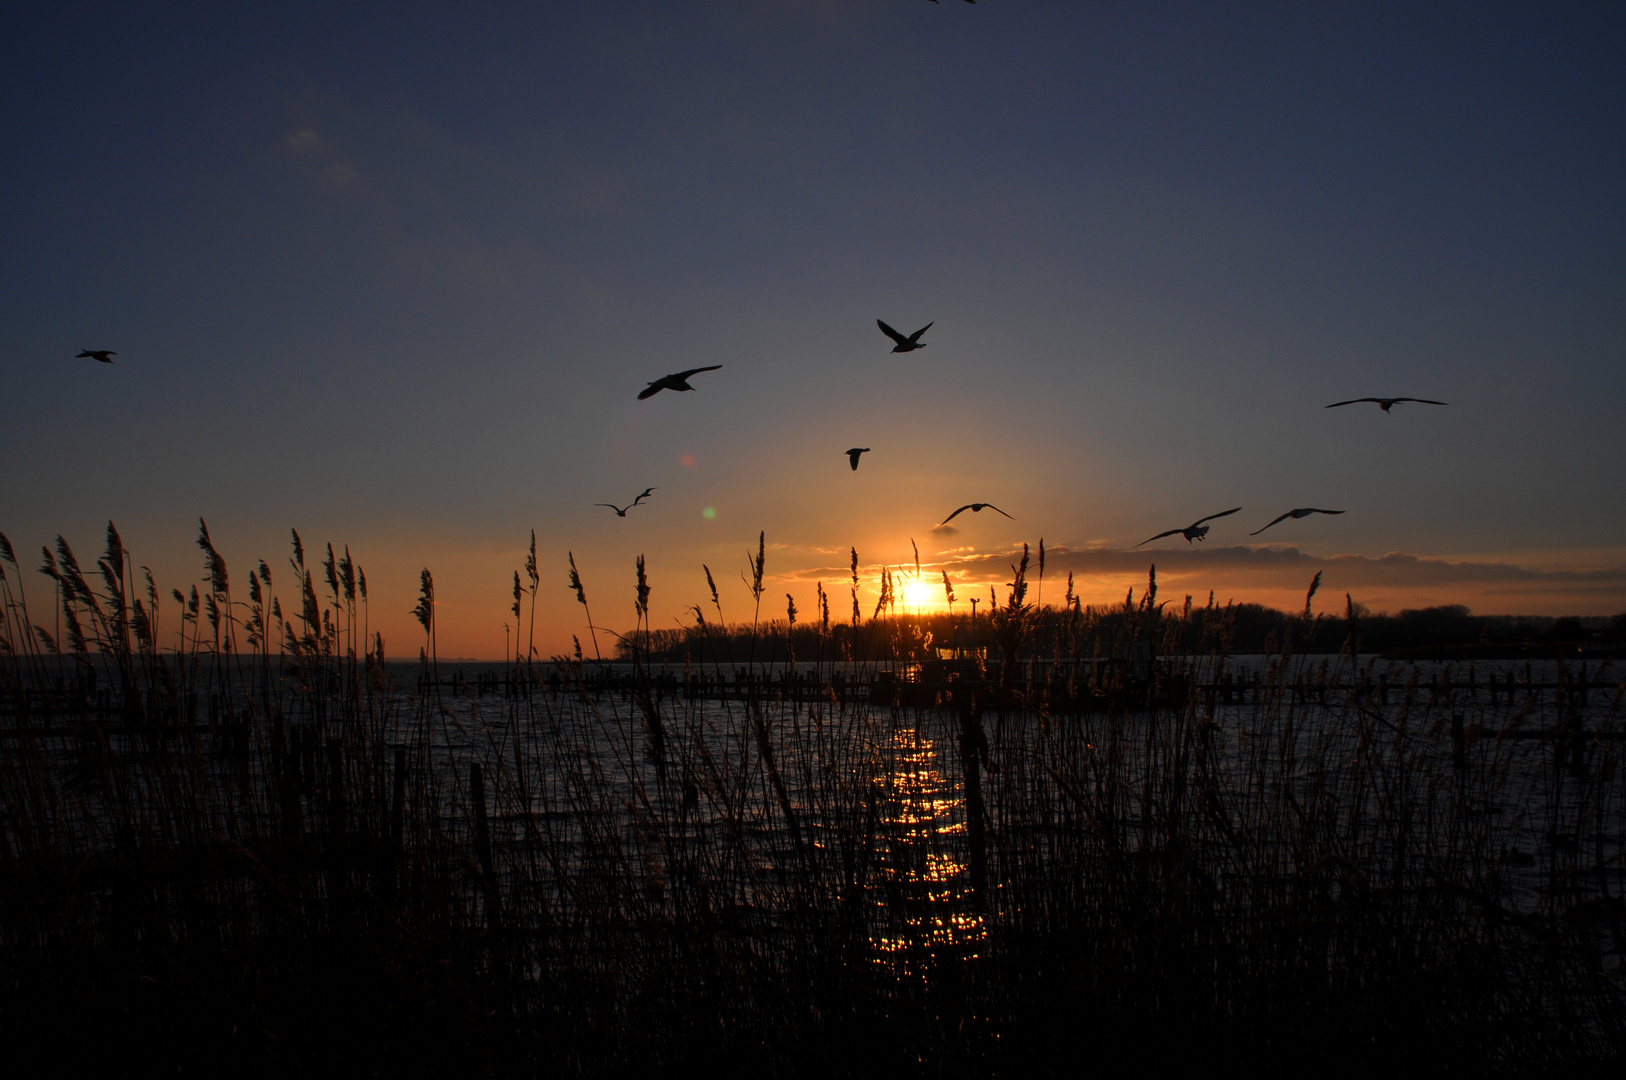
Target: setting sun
(920,594)
(974,536)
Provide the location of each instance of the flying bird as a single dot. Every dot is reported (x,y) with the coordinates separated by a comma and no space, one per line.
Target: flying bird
(852,455)
(1303,511)
(1195,531)
(1385,403)
(679,381)
(621,511)
(97,354)
(975,508)
(904,344)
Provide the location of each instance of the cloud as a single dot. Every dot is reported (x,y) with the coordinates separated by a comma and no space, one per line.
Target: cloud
(944,530)
(1275,576)
(1394,568)
(318,159)
(1397,578)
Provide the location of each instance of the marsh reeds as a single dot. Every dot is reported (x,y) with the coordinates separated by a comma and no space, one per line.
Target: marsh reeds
(1055,839)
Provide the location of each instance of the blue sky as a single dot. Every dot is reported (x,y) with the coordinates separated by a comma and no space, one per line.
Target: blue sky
(393,276)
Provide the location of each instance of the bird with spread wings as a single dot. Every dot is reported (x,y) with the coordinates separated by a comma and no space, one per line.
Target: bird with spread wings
(904,344)
(1195,531)
(676,381)
(1303,511)
(1385,403)
(975,508)
(621,511)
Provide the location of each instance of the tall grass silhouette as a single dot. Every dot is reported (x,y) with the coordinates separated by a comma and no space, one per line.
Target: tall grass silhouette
(235,836)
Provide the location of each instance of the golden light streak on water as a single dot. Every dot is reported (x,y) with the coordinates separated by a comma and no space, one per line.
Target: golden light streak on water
(922,863)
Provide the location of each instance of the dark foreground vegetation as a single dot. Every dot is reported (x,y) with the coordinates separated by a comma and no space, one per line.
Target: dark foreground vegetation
(1451,632)
(234,838)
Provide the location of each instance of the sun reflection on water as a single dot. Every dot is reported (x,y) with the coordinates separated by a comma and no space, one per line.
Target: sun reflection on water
(923,889)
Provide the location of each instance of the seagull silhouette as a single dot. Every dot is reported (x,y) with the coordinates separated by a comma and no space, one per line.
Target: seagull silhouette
(621,511)
(1303,511)
(1385,403)
(852,455)
(679,381)
(904,344)
(97,354)
(1195,531)
(975,508)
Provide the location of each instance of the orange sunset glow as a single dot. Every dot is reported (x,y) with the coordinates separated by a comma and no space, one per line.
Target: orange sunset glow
(846,538)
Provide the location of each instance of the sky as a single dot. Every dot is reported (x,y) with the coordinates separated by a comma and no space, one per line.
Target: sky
(393,275)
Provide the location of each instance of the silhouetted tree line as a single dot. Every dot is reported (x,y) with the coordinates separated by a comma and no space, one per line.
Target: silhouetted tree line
(1089,631)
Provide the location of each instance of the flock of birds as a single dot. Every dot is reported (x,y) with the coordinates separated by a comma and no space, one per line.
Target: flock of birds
(1197,530)
(678,381)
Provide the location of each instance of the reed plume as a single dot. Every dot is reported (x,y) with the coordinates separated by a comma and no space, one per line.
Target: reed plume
(1107,829)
